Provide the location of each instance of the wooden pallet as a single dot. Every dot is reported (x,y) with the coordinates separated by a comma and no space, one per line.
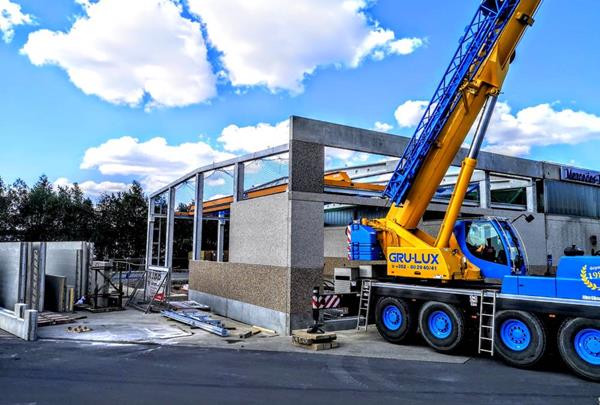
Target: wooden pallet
(318,346)
(54,318)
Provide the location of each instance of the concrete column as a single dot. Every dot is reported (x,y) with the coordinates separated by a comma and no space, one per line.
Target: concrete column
(307,164)
(198,198)
(305,232)
(238,182)
(169,238)
(485,191)
(531,192)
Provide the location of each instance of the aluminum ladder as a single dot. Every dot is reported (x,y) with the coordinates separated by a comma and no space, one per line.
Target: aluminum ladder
(487,321)
(364,303)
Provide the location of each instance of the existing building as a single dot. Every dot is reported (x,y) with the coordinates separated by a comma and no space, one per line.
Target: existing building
(271,226)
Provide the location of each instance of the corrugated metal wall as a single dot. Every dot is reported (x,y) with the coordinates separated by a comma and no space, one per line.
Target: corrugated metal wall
(564,198)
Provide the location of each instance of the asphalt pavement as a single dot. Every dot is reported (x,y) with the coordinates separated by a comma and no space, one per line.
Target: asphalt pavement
(51,372)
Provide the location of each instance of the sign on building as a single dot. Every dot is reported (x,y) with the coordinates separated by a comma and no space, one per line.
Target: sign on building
(580,175)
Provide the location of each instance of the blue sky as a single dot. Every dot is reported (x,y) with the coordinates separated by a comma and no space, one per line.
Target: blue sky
(66,96)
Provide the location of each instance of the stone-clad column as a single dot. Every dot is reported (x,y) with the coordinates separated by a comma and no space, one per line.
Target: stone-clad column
(305,231)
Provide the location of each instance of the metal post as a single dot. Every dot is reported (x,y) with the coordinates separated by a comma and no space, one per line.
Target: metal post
(238,182)
(531,192)
(150,232)
(485,195)
(198,207)
(169,238)
(221,237)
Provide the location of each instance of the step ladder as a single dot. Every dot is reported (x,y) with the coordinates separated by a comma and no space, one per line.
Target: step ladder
(487,321)
(364,303)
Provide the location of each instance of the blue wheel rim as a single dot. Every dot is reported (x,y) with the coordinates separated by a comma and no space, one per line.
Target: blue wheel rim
(392,317)
(515,335)
(440,324)
(587,345)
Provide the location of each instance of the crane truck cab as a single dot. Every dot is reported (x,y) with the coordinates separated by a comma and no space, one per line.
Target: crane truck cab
(493,245)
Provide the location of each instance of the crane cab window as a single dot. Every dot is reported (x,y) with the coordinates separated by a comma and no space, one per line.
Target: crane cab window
(484,242)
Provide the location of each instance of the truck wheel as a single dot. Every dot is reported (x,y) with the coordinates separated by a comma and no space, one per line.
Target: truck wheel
(442,326)
(520,339)
(579,346)
(393,319)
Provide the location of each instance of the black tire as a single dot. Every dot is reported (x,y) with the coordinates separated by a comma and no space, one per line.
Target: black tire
(405,326)
(448,338)
(567,335)
(511,342)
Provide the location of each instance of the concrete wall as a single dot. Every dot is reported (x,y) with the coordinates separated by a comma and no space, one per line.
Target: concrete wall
(259,230)
(564,231)
(276,258)
(12,273)
(255,294)
(335,242)
(21,322)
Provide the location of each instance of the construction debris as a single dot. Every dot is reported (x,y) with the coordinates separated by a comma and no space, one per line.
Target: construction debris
(184,305)
(197,319)
(79,329)
(249,333)
(320,341)
(265,330)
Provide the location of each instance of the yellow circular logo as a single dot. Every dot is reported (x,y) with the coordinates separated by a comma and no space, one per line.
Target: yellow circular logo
(584,277)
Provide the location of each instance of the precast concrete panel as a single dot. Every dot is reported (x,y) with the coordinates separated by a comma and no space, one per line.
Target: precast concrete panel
(65,263)
(11,274)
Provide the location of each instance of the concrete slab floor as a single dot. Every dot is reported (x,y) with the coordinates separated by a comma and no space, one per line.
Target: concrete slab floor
(135,327)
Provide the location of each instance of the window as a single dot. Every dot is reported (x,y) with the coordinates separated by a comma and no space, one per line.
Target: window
(484,242)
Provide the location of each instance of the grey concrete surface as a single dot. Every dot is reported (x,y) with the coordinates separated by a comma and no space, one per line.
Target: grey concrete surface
(258,231)
(73,372)
(133,326)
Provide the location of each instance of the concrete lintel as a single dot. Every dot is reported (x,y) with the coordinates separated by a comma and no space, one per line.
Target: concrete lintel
(21,323)
(345,137)
(502,164)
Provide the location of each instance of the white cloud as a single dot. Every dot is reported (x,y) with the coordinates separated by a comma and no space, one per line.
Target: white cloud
(11,16)
(409,113)
(277,43)
(335,157)
(93,189)
(154,162)
(382,126)
(254,138)
(126,51)
(515,134)
(541,125)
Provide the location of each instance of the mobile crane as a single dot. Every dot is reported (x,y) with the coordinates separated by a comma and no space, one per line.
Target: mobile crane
(473,275)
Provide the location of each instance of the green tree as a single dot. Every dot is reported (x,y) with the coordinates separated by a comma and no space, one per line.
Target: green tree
(120,230)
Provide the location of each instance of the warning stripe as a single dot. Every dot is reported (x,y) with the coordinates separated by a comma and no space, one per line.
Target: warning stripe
(325,301)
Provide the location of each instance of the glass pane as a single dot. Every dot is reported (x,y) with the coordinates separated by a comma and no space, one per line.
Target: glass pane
(484,242)
(266,176)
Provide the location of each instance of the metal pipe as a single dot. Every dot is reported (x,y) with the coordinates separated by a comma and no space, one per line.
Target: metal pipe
(488,110)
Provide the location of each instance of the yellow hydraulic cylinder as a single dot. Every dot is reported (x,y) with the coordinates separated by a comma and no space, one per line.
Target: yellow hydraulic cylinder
(458,196)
